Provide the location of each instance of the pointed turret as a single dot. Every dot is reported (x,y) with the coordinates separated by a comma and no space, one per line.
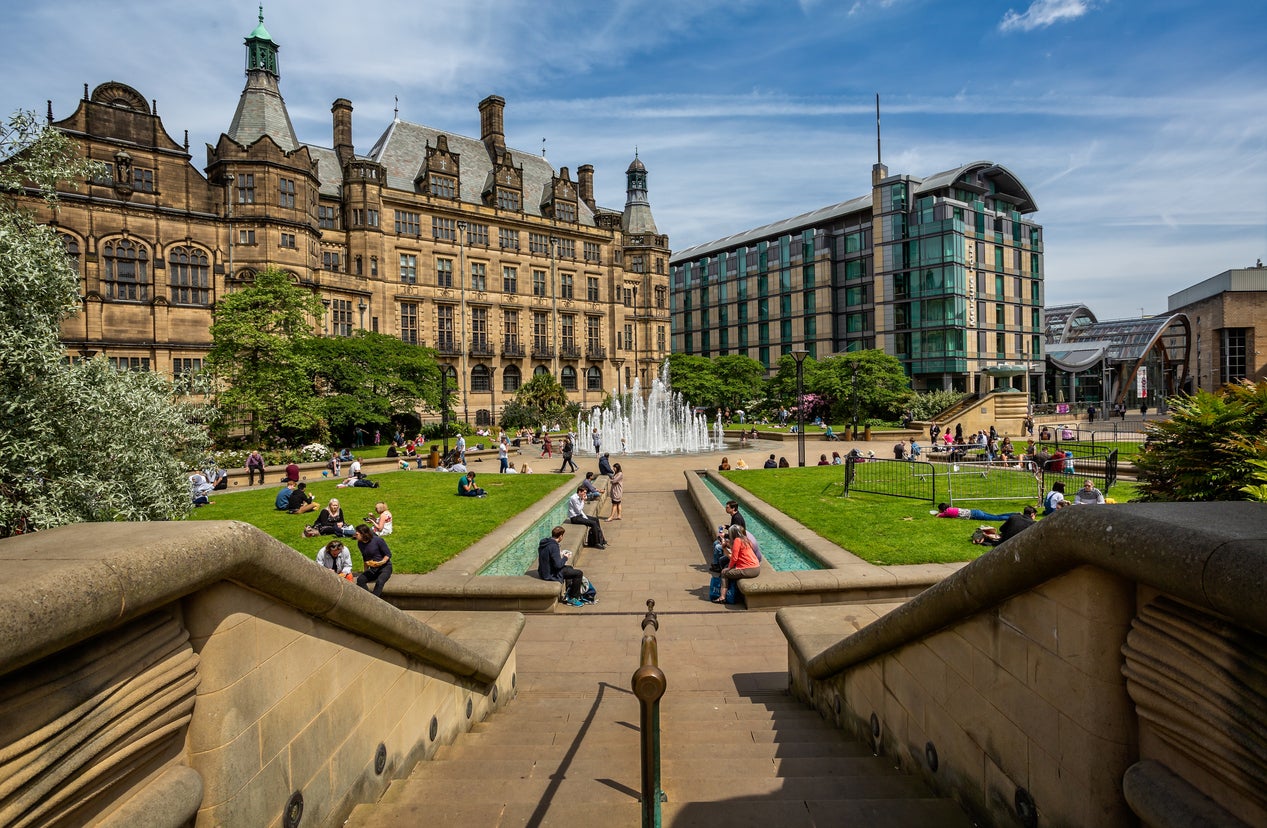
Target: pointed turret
(637,216)
(261,110)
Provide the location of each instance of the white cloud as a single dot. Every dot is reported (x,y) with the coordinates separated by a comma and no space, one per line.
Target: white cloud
(1044,13)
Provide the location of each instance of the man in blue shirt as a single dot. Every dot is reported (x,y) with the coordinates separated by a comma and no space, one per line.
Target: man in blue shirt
(377,558)
(282,502)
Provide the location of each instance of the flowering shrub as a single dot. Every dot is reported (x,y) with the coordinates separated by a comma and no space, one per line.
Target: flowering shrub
(314,452)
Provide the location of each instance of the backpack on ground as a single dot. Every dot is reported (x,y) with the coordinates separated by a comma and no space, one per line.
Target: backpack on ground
(714,590)
(588,594)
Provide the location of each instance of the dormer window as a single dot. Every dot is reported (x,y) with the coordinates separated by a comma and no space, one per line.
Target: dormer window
(441,186)
(564,211)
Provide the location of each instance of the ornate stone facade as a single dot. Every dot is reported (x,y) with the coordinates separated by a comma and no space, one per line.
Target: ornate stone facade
(503,264)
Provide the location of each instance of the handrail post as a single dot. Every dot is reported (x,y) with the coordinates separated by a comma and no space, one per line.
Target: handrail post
(648,685)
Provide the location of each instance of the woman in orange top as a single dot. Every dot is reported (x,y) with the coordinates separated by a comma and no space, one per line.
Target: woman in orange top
(743,561)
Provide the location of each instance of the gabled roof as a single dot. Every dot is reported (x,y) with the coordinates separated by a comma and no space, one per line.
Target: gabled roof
(402,149)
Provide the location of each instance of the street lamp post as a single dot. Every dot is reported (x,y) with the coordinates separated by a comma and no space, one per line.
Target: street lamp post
(466,380)
(444,408)
(799,355)
(554,294)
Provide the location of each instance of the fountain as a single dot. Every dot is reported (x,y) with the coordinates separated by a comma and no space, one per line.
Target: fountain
(662,423)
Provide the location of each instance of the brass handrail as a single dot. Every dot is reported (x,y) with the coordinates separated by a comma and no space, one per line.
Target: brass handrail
(648,685)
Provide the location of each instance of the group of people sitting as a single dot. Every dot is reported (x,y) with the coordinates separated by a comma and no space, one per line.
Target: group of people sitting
(376,557)
(1016,522)
(736,554)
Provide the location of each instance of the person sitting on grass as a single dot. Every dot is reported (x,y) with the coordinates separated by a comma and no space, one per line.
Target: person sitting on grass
(771,463)
(467,487)
(1054,498)
(337,558)
(381,520)
(724,465)
(300,501)
(945,510)
(1088,494)
(330,520)
(740,465)
(282,502)
(741,563)
(823,461)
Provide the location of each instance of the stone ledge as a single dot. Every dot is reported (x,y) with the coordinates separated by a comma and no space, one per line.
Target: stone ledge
(96,576)
(1213,555)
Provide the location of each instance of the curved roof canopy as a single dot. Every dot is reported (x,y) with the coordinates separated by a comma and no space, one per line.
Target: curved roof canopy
(985,177)
(1076,341)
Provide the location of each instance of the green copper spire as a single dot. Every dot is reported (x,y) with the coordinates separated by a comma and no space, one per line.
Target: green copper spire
(261,51)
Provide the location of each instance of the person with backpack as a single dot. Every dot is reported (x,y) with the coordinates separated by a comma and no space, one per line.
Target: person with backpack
(555,565)
(1054,498)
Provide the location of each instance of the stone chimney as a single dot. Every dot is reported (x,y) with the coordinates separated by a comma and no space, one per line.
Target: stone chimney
(492,131)
(585,185)
(342,110)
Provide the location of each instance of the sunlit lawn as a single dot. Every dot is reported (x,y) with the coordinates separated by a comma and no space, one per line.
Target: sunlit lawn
(877,528)
(431,523)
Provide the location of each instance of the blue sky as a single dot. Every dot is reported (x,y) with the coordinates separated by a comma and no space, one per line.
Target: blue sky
(1140,126)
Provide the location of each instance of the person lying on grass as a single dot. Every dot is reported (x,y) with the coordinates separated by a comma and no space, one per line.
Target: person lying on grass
(945,510)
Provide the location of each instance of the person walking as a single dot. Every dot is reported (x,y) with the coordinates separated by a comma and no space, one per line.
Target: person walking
(566,451)
(616,492)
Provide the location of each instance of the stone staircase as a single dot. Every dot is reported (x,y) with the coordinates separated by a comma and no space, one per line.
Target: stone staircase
(728,759)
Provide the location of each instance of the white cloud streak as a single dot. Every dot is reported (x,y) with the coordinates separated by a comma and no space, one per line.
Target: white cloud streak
(1044,13)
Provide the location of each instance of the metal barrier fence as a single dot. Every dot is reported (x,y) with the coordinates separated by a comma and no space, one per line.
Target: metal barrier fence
(973,480)
(897,478)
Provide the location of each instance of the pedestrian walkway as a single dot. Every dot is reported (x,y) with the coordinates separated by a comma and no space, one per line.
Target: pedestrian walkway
(737,749)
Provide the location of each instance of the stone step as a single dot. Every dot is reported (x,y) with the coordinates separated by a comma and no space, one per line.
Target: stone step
(467,748)
(562,809)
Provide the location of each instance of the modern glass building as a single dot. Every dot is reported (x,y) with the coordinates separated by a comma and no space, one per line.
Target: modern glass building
(943,272)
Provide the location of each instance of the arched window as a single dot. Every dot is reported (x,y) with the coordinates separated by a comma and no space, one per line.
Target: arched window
(540,370)
(72,251)
(568,378)
(126,271)
(481,380)
(189,276)
(511,378)
(593,379)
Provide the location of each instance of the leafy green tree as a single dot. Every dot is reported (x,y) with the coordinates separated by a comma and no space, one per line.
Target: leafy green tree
(259,355)
(368,378)
(540,400)
(694,378)
(863,385)
(740,380)
(78,442)
(1212,447)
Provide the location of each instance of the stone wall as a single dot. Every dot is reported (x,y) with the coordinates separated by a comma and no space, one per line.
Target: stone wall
(288,703)
(1027,696)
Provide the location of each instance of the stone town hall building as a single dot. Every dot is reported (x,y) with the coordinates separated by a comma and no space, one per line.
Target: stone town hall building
(502,264)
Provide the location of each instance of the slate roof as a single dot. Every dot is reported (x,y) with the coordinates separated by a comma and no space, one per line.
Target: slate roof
(261,111)
(402,149)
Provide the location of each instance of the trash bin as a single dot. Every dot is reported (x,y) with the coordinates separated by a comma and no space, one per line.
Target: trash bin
(434,460)
(866,433)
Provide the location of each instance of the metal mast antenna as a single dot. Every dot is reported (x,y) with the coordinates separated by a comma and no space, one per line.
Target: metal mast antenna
(877,129)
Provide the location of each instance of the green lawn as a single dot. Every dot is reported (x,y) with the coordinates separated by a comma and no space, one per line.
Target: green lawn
(877,528)
(431,523)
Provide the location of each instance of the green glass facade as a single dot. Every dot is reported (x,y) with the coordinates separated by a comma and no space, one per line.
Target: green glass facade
(945,273)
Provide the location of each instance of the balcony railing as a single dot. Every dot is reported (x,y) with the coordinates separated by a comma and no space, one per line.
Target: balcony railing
(570,351)
(595,352)
(512,348)
(449,347)
(482,349)
(542,351)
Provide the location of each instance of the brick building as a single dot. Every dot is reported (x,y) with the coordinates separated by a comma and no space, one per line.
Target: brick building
(1228,314)
(503,264)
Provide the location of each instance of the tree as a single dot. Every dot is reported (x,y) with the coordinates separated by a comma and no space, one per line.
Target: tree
(540,400)
(740,380)
(1212,447)
(78,442)
(694,378)
(258,356)
(368,378)
(862,385)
